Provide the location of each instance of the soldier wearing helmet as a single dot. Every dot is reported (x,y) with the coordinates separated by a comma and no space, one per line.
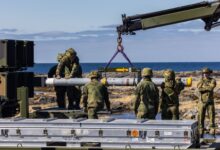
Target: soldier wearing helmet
(94,96)
(67,61)
(59,57)
(206,103)
(146,96)
(171,89)
(70,67)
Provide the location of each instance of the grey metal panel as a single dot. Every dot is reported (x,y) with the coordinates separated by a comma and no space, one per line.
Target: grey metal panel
(114,133)
(107,132)
(82,132)
(117,123)
(112,141)
(122,123)
(26,132)
(171,124)
(144,124)
(71,123)
(139,146)
(146,140)
(169,133)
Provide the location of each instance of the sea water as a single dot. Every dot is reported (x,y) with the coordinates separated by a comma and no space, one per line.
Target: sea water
(43,68)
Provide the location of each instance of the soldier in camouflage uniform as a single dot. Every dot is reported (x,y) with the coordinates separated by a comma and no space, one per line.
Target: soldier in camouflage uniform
(146,97)
(95,94)
(60,90)
(171,89)
(206,103)
(74,91)
(72,69)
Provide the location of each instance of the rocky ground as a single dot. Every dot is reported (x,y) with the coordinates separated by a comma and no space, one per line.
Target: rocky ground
(122,97)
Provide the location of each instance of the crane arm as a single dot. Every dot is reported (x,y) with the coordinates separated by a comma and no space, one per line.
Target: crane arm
(209,12)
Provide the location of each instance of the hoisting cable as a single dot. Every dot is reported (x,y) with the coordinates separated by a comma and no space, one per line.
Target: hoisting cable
(120,49)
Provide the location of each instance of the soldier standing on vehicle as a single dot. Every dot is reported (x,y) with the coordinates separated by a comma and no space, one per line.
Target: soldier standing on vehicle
(94,95)
(206,87)
(146,97)
(60,90)
(72,69)
(171,89)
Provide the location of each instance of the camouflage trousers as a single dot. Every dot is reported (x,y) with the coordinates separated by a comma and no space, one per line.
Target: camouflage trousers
(60,94)
(74,95)
(92,112)
(150,114)
(170,113)
(210,108)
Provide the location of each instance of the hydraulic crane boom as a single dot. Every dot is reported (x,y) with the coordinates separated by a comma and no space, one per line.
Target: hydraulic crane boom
(209,12)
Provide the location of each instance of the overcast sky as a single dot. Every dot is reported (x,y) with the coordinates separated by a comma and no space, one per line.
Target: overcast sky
(89,27)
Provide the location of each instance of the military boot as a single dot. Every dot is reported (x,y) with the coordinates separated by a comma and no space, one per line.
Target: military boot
(201,132)
(212,131)
(76,105)
(70,105)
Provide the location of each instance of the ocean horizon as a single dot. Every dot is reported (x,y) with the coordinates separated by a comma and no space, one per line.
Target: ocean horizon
(43,68)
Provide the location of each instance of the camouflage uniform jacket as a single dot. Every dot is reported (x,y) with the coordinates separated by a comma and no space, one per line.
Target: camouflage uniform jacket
(206,87)
(94,95)
(170,93)
(146,96)
(71,67)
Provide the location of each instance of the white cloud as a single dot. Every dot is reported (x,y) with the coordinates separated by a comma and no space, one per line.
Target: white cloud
(195,27)
(39,38)
(90,35)
(106,31)
(191,30)
(111,34)
(197,30)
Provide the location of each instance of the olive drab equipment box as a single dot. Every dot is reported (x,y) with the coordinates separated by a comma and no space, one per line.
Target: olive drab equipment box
(7,85)
(7,54)
(25,53)
(9,82)
(26,79)
(16,54)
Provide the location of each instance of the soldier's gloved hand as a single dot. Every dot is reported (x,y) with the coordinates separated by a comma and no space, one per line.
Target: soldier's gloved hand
(58,77)
(67,77)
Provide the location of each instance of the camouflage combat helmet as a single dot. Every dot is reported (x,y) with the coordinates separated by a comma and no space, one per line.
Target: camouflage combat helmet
(146,72)
(71,51)
(206,70)
(169,74)
(94,74)
(59,57)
